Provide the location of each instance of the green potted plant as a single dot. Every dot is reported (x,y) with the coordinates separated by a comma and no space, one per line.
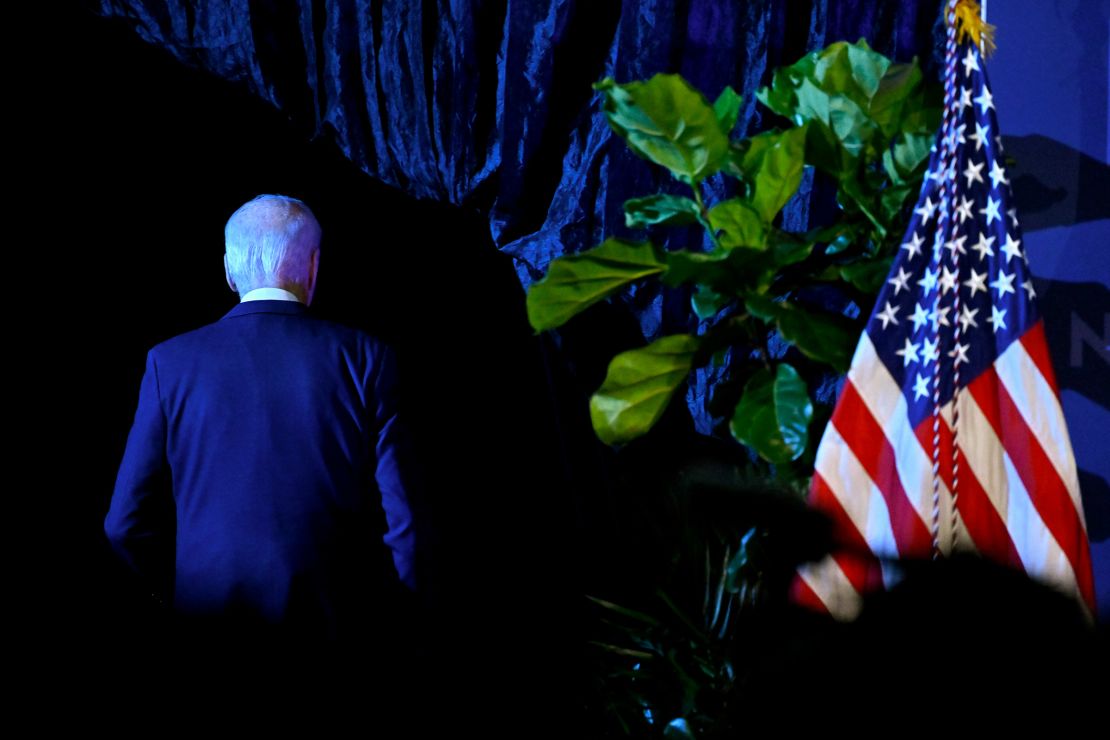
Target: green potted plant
(858,119)
(865,125)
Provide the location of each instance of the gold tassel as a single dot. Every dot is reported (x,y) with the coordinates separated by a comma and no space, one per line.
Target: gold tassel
(969,22)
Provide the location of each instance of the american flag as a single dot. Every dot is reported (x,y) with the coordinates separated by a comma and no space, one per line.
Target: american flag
(953,358)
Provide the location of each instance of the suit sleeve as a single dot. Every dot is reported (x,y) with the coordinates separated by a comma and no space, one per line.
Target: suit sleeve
(139,521)
(396,472)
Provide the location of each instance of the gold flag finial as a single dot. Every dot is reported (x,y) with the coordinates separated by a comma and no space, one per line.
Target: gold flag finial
(969,22)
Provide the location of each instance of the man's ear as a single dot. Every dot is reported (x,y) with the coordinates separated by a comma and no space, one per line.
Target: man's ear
(227,275)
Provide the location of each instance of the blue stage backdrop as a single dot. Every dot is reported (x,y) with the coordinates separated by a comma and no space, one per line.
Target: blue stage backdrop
(488,106)
(1051,87)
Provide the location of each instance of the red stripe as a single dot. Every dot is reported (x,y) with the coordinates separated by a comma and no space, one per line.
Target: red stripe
(847,534)
(982,520)
(1047,492)
(856,559)
(1037,348)
(924,434)
(865,437)
(802,595)
(862,571)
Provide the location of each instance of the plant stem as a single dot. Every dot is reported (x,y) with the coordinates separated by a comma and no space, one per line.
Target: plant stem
(703,215)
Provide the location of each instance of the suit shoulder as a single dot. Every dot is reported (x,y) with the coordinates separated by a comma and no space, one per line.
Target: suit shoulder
(184,341)
(352,332)
(334,331)
(351,335)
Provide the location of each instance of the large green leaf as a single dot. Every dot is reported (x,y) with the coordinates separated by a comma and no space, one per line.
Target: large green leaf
(841,68)
(856,99)
(867,275)
(577,281)
(868,69)
(824,146)
(905,160)
(706,302)
(856,194)
(779,95)
(727,108)
(737,224)
(668,122)
(921,113)
(812,102)
(773,165)
(850,124)
(731,271)
(851,70)
(701,268)
(789,247)
(900,82)
(773,414)
(893,199)
(820,336)
(660,210)
(763,307)
(720,275)
(638,387)
(825,152)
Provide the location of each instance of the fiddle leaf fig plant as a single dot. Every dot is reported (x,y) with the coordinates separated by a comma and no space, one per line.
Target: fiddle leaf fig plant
(638,386)
(576,282)
(866,125)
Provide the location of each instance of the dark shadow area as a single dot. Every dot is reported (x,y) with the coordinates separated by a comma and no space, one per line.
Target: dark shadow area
(960,637)
(134,164)
(1054,184)
(968,635)
(1075,318)
(1096,505)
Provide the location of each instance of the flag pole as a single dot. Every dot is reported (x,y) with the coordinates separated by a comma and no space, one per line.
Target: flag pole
(950,95)
(962,18)
(947,174)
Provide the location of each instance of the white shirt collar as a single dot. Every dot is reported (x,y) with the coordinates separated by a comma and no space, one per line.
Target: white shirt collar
(269,294)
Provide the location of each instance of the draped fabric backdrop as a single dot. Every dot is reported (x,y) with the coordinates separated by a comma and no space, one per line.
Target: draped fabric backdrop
(489,105)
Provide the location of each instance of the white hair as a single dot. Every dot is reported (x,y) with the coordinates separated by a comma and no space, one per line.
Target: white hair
(269,241)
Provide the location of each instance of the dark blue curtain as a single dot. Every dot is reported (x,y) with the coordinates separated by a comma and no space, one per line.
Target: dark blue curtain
(487,104)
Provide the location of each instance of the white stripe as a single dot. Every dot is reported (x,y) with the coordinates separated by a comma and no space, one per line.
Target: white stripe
(861,499)
(945,495)
(1040,407)
(883,397)
(966,544)
(833,588)
(984,455)
(1048,562)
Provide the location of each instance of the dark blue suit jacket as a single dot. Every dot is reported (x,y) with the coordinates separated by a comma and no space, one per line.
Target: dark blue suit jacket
(275,431)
